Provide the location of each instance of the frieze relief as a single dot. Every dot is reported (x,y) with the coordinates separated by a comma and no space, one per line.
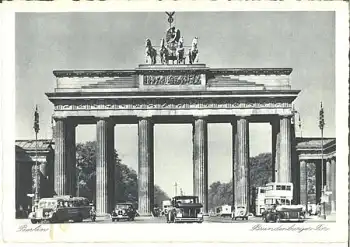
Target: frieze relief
(186,79)
(144,104)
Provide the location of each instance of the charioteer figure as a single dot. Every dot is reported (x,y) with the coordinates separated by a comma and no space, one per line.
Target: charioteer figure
(172,47)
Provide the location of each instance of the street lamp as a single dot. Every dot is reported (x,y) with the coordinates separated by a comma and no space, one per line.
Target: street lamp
(175,185)
(321,125)
(36,129)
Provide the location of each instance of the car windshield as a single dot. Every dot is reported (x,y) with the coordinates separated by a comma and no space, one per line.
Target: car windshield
(122,206)
(47,204)
(186,200)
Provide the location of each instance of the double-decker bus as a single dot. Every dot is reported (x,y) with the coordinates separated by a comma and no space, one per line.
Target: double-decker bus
(259,200)
(278,193)
(272,193)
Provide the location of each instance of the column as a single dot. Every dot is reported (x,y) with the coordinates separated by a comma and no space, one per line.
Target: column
(200,161)
(303,183)
(328,184)
(111,166)
(333,185)
(146,166)
(275,131)
(71,157)
(60,170)
(318,181)
(284,168)
(43,179)
(103,165)
(234,156)
(241,171)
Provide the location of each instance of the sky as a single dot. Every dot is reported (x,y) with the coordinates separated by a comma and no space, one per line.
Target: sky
(303,41)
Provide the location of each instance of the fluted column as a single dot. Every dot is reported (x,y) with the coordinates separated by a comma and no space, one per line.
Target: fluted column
(200,161)
(318,180)
(104,128)
(60,170)
(111,166)
(303,183)
(285,162)
(234,157)
(333,185)
(146,166)
(275,132)
(241,166)
(71,157)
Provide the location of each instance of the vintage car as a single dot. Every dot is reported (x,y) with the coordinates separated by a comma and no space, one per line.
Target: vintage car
(240,212)
(165,205)
(185,209)
(284,213)
(61,209)
(124,211)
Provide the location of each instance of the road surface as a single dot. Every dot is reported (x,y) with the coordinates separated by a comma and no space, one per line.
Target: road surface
(207,220)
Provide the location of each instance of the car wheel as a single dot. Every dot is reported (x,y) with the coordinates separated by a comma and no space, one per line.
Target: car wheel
(113,220)
(33,221)
(266,219)
(278,219)
(117,220)
(169,218)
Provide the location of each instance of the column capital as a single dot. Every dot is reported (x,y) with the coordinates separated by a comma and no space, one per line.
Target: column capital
(57,118)
(199,117)
(286,115)
(150,118)
(247,116)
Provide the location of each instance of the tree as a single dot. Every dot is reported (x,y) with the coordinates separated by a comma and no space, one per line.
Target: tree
(126,178)
(260,173)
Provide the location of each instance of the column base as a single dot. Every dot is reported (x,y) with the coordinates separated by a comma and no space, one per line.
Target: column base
(103,216)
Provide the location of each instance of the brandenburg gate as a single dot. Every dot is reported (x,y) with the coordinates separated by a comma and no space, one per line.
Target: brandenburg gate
(151,94)
(165,92)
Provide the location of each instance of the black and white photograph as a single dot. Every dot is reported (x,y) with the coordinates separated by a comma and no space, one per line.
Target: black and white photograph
(179,120)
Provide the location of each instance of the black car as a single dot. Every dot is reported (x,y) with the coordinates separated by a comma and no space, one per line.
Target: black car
(123,211)
(284,213)
(185,209)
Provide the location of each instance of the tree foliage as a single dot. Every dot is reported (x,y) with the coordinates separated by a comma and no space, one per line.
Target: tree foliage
(126,178)
(260,174)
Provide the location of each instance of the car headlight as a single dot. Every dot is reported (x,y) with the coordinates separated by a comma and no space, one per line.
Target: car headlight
(199,215)
(179,215)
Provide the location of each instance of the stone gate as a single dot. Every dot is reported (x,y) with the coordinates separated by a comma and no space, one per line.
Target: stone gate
(179,93)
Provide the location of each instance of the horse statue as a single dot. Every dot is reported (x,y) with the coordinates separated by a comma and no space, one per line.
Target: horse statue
(193,52)
(163,52)
(150,52)
(180,51)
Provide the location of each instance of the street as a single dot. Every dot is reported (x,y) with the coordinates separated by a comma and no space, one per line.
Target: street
(142,220)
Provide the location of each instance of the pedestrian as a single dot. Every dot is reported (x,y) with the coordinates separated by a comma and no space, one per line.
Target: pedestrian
(318,209)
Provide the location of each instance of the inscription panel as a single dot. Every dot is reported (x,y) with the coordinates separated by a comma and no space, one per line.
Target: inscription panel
(186,79)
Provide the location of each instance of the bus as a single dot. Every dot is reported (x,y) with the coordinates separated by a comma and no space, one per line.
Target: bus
(61,209)
(272,193)
(259,200)
(278,193)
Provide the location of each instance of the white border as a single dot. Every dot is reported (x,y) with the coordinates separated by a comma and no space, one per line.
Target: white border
(167,233)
